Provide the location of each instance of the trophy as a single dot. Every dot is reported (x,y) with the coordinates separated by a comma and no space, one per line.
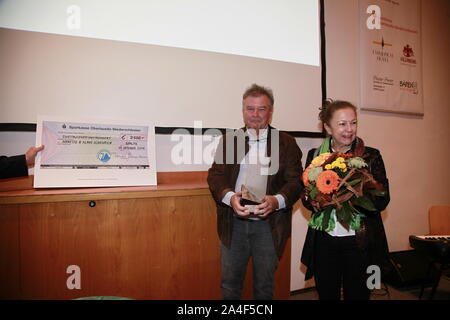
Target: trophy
(254,190)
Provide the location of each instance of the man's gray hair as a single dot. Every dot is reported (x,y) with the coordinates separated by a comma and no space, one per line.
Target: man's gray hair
(256,90)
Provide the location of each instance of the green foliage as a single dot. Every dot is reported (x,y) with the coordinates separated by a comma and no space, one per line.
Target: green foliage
(376,192)
(315,221)
(326,218)
(363,202)
(345,215)
(323,220)
(356,222)
(314,193)
(354,182)
(340,173)
(332,222)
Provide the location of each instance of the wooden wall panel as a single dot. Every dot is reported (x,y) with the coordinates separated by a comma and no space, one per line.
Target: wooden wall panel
(9,252)
(135,242)
(161,248)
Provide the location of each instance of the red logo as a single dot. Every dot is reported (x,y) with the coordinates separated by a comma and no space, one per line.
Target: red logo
(408,51)
(408,56)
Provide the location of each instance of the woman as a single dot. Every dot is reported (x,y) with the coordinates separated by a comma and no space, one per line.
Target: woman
(340,258)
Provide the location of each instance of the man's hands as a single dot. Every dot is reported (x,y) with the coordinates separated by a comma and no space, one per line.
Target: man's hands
(30,155)
(262,210)
(235,202)
(269,205)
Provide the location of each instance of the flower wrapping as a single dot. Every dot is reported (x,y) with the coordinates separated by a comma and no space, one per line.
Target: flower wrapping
(337,186)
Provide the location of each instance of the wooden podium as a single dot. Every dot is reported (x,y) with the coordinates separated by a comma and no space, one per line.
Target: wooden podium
(156,242)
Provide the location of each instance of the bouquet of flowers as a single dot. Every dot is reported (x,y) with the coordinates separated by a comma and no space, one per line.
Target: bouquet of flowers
(335,185)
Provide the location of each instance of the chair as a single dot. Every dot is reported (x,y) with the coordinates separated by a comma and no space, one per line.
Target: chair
(439,219)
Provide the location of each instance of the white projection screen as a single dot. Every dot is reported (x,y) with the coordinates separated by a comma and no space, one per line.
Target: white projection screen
(172,62)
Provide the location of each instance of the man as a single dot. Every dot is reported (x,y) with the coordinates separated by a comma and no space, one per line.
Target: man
(261,234)
(17,166)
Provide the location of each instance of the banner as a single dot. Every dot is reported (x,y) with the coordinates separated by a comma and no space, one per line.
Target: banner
(391,56)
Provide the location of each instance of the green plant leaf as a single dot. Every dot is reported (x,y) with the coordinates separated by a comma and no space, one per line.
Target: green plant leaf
(364,202)
(376,192)
(344,215)
(332,221)
(314,193)
(351,205)
(340,173)
(354,182)
(356,222)
(326,217)
(315,221)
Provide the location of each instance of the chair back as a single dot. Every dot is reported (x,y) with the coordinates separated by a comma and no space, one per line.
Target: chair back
(439,219)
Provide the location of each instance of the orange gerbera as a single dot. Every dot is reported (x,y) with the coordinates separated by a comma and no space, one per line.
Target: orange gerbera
(327,181)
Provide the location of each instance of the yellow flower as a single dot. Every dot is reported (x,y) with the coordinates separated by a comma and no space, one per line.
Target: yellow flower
(320,159)
(328,167)
(337,164)
(340,159)
(316,161)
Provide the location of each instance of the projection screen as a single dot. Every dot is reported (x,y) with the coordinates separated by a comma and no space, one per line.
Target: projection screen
(171,62)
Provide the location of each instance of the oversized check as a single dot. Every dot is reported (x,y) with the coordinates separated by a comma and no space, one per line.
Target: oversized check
(90,154)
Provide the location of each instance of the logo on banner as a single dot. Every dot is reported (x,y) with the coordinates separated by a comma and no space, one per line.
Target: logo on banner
(104,155)
(381,54)
(410,86)
(408,54)
(381,82)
